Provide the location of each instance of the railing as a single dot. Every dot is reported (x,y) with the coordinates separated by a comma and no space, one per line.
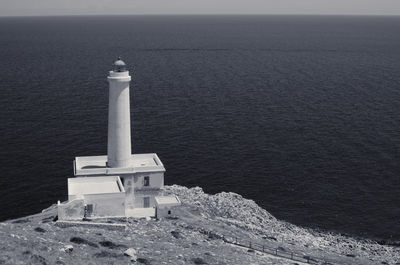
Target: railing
(275,251)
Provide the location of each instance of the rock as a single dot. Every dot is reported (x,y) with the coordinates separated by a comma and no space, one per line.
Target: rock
(40,230)
(111,245)
(213,236)
(176,234)
(78,240)
(144,261)
(48,219)
(198,261)
(67,249)
(21,221)
(131,252)
(37,259)
(281,249)
(154,245)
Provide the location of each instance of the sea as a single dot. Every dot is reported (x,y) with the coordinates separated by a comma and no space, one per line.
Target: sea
(299,113)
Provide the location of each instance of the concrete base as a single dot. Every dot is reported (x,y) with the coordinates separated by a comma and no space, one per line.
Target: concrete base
(140,212)
(91,224)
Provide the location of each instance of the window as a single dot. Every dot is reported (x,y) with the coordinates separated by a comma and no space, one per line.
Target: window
(146,181)
(169,212)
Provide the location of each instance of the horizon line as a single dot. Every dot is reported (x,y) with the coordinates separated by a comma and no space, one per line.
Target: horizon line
(205,14)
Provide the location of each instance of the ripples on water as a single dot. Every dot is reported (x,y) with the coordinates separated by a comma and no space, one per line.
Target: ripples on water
(301,114)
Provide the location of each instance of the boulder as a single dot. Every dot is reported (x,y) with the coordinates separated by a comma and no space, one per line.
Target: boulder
(40,230)
(67,248)
(131,252)
(176,234)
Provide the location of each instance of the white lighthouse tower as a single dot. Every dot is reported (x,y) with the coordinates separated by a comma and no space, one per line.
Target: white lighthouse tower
(119,118)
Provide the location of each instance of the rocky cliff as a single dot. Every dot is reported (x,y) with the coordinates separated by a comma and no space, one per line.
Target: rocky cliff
(223,228)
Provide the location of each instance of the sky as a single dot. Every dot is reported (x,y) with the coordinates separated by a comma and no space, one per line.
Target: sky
(112,7)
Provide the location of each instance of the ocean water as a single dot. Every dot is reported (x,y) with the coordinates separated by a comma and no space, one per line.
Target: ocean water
(299,113)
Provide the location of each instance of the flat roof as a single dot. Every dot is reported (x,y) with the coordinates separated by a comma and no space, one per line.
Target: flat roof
(96,165)
(170,200)
(94,185)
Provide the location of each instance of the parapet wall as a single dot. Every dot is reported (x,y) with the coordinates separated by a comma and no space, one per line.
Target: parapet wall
(72,210)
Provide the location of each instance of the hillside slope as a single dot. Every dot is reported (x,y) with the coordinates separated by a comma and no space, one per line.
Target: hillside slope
(196,236)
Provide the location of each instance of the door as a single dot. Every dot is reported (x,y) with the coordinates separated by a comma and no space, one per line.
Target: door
(88,210)
(146,202)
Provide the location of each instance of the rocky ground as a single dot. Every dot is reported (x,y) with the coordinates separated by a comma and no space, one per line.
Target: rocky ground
(198,235)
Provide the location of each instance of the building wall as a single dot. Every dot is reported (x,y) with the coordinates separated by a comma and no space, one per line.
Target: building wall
(175,211)
(71,210)
(128,181)
(139,199)
(110,204)
(156,180)
(135,191)
(163,212)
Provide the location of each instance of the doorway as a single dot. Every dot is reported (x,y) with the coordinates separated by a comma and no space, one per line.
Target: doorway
(146,202)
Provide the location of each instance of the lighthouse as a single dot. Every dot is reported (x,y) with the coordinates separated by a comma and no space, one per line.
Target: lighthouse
(119,118)
(119,184)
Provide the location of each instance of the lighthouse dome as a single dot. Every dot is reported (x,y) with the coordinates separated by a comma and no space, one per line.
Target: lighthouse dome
(119,65)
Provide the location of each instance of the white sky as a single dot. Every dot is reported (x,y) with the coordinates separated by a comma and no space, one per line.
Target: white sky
(79,7)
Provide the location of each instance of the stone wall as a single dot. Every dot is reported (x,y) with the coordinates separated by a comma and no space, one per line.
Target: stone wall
(72,210)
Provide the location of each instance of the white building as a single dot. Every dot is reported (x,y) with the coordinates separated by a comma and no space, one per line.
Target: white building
(119,183)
